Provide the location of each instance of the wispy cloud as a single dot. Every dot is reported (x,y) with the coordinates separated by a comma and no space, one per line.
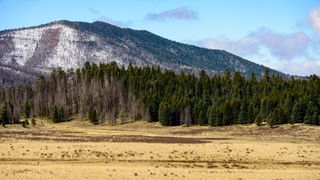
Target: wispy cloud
(299,67)
(113,22)
(181,13)
(314,18)
(94,11)
(244,46)
(282,46)
(305,68)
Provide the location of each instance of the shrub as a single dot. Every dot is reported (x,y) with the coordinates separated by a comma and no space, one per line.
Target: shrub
(25,123)
(33,122)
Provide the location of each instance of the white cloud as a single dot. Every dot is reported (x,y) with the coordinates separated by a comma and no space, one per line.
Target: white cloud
(290,53)
(314,18)
(181,13)
(304,68)
(282,46)
(243,47)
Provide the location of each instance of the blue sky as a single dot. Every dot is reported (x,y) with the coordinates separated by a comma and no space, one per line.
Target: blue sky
(282,34)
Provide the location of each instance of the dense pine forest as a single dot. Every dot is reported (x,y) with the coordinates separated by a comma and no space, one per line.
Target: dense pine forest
(112,94)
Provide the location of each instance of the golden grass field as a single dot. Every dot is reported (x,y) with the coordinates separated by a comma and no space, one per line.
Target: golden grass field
(140,150)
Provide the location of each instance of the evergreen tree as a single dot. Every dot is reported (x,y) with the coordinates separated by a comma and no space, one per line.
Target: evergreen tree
(250,115)
(58,115)
(27,109)
(297,114)
(227,114)
(165,114)
(4,118)
(61,115)
(311,113)
(55,117)
(235,106)
(243,114)
(271,120)
(93,118)
(288,105)
(202,119)
(278,116)
(259,119)
(281,116)
(212,115)
(315,118)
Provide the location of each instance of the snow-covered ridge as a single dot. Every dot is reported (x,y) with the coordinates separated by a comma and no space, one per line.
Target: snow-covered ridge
(25,42)
(70,52)
(60,44)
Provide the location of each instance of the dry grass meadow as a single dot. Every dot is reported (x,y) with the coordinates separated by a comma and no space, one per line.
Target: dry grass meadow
(140,150)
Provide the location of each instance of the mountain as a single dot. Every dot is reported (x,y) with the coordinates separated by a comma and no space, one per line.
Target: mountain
(28,52)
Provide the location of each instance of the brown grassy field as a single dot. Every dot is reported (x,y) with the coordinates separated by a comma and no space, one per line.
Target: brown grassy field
(140,150)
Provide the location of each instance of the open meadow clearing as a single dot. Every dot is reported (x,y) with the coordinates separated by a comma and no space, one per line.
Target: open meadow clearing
(140,150)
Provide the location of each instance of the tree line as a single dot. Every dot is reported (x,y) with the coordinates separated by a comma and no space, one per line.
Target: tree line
(108,93)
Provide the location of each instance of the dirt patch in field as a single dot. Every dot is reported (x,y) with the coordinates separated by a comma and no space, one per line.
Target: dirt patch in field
(53,135)
(298,130)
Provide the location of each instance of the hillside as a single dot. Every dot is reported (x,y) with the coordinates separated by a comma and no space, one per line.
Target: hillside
(28,52)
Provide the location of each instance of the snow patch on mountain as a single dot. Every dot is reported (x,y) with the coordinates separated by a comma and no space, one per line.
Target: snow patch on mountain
(66,51)
(25,42)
